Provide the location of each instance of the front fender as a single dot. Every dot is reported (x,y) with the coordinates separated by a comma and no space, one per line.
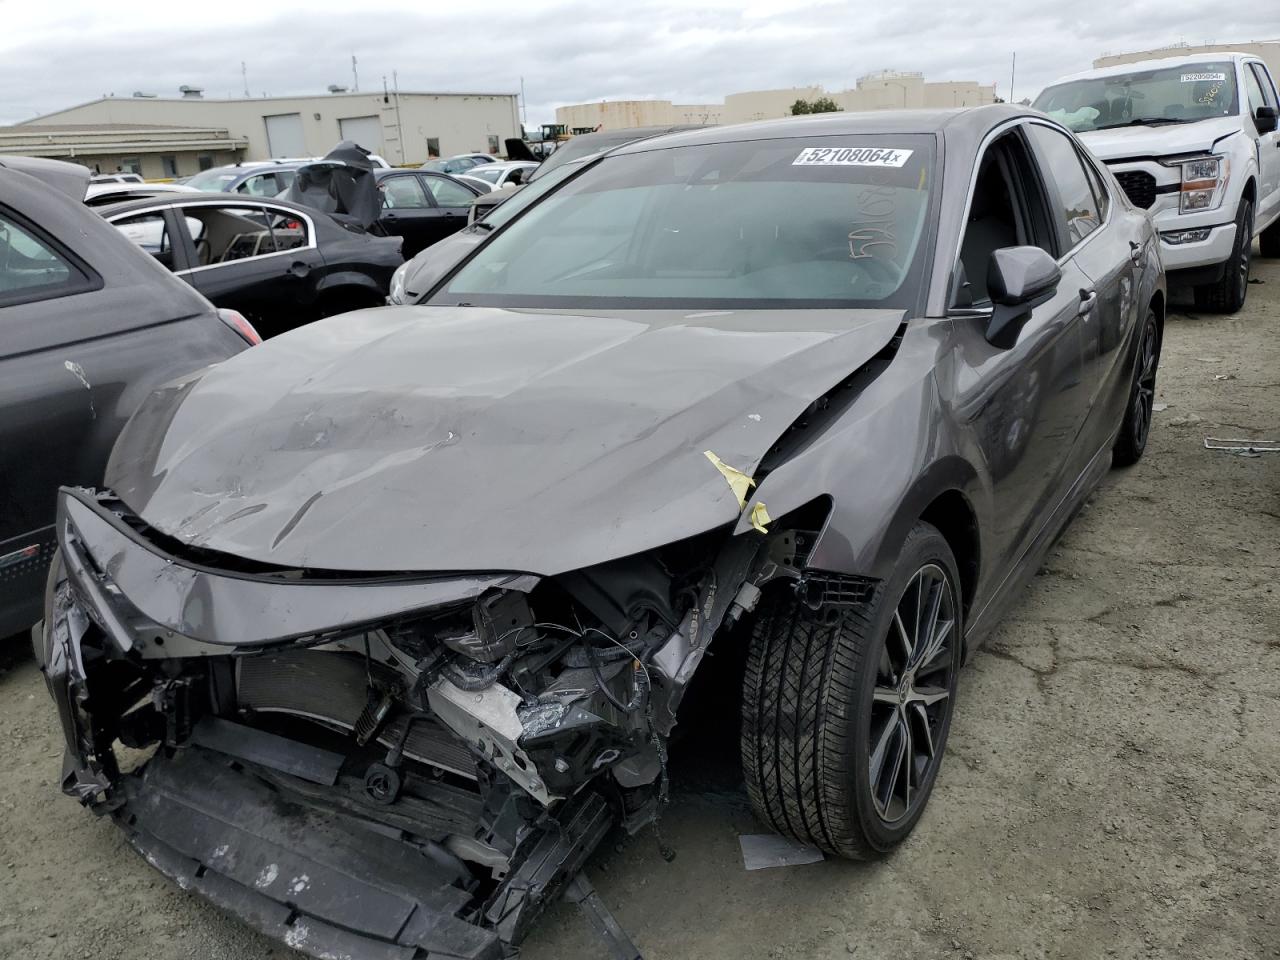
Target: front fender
(882,463)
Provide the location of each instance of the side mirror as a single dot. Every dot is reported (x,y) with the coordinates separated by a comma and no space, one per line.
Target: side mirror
(517,176)
(1265,118)
(1019,279)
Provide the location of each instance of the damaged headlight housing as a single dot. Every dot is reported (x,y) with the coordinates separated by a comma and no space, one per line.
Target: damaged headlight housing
(1204,181)
(396,294)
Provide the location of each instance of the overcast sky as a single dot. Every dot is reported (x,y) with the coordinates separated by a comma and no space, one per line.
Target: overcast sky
(58,53)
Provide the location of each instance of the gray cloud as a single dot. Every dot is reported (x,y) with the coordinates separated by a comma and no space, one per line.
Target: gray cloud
(572,51)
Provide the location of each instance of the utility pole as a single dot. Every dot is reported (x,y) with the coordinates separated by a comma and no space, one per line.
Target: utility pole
(1013,72)
(355,77)
(395,86)
(244,75)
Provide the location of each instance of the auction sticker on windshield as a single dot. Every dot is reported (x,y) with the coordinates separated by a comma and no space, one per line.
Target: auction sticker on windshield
(1203,77)
(851,157)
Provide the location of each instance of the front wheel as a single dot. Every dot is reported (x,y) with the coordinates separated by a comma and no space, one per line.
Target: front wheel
(1229,293)
(1135,426)
(846,710)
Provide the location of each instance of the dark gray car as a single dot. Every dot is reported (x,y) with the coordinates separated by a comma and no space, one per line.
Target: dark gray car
(411,600)
(89,326)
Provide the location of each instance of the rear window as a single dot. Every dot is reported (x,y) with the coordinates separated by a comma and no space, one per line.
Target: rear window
(820,221)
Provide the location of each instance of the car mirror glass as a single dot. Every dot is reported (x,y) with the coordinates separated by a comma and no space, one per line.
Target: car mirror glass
(1018,280)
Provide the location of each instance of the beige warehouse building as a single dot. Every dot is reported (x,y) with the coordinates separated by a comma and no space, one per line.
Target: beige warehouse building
(1266,50)
(886,90)
(168,137)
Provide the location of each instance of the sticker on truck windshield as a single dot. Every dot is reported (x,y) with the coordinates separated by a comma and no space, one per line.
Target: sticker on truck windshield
(851,157)
(1203,77)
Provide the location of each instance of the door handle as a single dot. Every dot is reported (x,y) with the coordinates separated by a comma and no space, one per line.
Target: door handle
(1135,252)
(389,216)
(1088,298)
(298,269)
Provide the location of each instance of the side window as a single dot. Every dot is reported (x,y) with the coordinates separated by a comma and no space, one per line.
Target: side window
(1254,90)
(402,192)
(450,194)
(1006,209)
(227,234)
(1100,191)
(1076,210)
(1264,82)
(151,233)
(32,270)
(261,185)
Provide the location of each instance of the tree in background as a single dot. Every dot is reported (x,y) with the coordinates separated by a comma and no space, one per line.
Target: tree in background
(820,105)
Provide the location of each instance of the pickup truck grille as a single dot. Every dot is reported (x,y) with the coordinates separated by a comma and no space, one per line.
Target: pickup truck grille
(1140,187)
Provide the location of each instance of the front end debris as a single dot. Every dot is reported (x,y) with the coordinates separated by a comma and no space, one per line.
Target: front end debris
(378,766)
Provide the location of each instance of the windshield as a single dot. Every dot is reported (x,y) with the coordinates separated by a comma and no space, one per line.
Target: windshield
(1177,94)
(211,180)
(820,221)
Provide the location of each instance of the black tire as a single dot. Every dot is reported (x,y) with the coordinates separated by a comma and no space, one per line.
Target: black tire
(1135,426)
(819,686)
(1269,241)
(1229,293)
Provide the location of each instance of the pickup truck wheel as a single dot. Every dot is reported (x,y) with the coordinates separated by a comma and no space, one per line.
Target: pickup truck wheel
(846,710)
(1269,241)
(1228,294)
(1135,426)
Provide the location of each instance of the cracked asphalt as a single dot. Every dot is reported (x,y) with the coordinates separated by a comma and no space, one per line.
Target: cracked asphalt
(1109,788)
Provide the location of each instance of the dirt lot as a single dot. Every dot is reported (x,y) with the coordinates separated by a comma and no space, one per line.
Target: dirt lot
(1110,787)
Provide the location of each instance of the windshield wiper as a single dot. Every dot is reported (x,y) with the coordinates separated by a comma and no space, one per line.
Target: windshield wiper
(1148,122)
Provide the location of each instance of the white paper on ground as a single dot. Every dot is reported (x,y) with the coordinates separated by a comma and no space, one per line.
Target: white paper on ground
(763,850)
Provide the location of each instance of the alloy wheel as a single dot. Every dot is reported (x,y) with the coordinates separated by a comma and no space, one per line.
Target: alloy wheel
(912,696)
(1144,392)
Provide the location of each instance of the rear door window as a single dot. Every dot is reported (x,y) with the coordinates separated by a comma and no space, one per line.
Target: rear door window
(448,193)
(403,192)
(31,268)
(150,231)
(227,234)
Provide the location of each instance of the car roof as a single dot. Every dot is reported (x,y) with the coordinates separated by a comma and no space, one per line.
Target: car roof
(202,198)
(873,122)
(1155,63)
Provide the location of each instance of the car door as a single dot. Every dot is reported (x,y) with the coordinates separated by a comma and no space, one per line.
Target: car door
(408,212)
(1262,93)
(1025,403)
(44,393)
(1107,242)
(453,201)
(258,258)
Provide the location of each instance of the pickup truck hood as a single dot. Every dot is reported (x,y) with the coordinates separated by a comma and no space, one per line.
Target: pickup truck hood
(1159,141)
(436,439)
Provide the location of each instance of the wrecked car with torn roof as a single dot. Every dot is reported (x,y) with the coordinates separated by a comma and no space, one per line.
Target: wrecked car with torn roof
(402,605)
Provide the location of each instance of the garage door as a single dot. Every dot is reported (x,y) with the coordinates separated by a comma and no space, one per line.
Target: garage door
(284,135)
(365,131)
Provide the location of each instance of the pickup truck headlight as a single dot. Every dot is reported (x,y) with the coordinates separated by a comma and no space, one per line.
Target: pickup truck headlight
(1204,182)
(396,294)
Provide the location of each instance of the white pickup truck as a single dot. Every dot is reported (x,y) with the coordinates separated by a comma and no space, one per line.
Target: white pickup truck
(1192,139)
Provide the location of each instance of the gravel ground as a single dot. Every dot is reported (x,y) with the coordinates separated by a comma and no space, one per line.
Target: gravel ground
(1110,787)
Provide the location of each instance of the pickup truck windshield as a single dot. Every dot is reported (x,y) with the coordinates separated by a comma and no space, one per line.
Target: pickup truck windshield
(823,221)
(1178,94)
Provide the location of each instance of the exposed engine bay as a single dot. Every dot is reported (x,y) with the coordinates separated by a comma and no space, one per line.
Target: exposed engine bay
(420,781)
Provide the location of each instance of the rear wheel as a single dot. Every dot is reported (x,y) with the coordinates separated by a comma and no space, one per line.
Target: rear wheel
(1228,294)
(846,711)
(1135,427)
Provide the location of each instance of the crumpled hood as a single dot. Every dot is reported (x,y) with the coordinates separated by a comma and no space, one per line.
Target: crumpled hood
(1160,141)
(464,438)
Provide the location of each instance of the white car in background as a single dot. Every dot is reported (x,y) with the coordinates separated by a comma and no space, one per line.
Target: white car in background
(1192,139)
(498,175)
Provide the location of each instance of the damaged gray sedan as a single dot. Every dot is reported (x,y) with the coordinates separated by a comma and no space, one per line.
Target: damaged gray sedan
(375,631)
